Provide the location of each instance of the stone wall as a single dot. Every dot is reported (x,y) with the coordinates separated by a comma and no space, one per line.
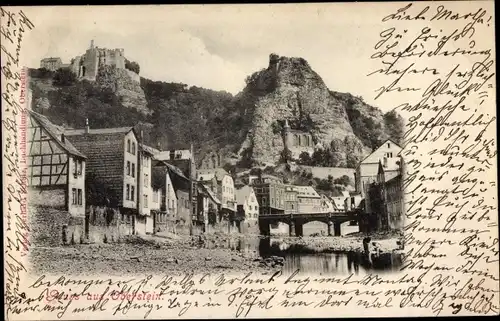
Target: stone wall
(47,225)
(54,198)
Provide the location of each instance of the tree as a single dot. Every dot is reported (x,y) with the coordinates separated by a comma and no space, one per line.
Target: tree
(132,66)
(304,158)
(286,155)
(344,180)
(64,77)
(395,126)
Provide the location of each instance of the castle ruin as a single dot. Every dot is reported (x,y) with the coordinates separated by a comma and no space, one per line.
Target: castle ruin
(87,65)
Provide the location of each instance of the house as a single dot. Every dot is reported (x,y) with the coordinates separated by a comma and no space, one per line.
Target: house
(309,200)
(112,169)
(387,198)
(270,193)
(291,199)
(338,203)
(246,199)
(178,198)
(209,205)
(55,179)
(56,168)
(222,184)
(353,201)
(51,63)
(326,204)
(367,170)
(165,216)
(144,189)
(156,204)
(183,162)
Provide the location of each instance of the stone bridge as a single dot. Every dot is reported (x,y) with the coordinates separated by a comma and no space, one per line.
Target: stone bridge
(296,221)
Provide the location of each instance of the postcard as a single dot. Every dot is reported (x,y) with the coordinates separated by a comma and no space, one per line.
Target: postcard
(249,161)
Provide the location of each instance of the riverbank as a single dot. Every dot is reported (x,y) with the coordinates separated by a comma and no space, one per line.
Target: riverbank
(139,255)
(386,242)
(211,253)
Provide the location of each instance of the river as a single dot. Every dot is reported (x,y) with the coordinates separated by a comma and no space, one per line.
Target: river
(306,260)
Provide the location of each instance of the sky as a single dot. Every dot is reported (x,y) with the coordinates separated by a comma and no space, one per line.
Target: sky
(217,47)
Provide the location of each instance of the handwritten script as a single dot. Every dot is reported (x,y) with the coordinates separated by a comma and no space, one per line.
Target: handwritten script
(436,64)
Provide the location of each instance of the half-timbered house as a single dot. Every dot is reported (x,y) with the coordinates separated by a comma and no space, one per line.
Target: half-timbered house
(56,169)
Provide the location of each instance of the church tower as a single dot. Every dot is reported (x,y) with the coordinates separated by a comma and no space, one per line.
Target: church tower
(287,135)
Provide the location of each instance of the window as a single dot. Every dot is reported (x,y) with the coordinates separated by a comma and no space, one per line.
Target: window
(388,145)
(256,207)
(128,168)
(80,199)
(127,193)
(73,199)
(79,167)
(155,197)
(146,180)
(128,145)
(145,161)
(132,189)
(145,201)
(133,148)
(133,169)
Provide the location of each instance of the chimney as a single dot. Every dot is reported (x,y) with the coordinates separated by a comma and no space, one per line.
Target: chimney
(92,44)
(87,128)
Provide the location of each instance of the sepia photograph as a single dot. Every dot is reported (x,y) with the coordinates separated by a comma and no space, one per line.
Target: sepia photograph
(294,155)
(129,174)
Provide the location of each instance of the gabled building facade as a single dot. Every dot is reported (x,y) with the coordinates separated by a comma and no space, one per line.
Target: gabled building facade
(112,169)
(184,163)
(367,170)
(222,184)
(55,182)
(309,200)
(246,199)
(56,169)
(165,216)
(270,193)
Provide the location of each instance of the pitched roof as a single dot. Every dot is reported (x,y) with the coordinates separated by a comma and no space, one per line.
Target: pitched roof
(148,149)
(207,174)
(55,132)
(385,142)
(210,193)
(99,131)
(307,191)
(175,170)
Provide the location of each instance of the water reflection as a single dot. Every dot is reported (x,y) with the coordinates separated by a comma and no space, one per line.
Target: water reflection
(307,260)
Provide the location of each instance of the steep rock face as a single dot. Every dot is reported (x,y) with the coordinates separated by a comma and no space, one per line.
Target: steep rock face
(289,89)
(121,83)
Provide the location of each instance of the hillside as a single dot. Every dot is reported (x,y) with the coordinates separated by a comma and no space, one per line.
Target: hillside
(245,129)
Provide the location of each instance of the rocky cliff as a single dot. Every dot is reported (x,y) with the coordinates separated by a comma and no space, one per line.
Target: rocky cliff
(124,86)
(289,89)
